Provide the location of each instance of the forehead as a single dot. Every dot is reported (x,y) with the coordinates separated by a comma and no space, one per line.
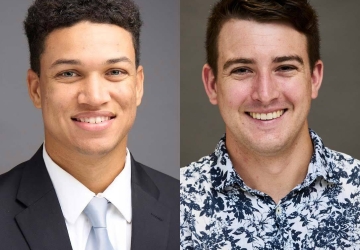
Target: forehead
(86,40)
(251,39)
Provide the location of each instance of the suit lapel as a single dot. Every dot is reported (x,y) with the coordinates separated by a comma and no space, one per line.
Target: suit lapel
(43,225)
(41,222)
(150,223)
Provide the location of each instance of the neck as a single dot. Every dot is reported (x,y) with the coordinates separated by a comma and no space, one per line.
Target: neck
(276,175)
(96,172)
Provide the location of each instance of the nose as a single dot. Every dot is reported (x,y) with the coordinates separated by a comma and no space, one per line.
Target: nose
(265,89)
(94,91)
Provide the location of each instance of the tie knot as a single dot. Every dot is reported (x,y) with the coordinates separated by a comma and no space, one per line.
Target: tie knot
(96,212)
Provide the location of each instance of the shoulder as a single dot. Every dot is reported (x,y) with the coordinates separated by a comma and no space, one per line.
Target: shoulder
(162,180)
(196,171)
(344,167)
(11,179)
(342,157)
(168,186)
(9,186)
(195,180)
(11,236)
(331,159)
(342,160)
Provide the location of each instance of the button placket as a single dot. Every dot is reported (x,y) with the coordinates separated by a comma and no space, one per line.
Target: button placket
(278,217)
(278,211)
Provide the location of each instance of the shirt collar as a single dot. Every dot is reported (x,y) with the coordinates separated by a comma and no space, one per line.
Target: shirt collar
(73,196)
(223,174)
(119,191)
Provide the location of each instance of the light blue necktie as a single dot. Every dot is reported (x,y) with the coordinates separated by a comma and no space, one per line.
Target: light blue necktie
(98,237)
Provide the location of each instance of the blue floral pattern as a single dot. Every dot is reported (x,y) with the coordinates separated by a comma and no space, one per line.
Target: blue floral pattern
(218,210)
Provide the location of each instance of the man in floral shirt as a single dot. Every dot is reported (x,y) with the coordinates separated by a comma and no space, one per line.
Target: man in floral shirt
(271,183)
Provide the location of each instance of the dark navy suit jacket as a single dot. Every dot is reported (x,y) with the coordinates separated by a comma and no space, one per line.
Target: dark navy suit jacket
(31,217)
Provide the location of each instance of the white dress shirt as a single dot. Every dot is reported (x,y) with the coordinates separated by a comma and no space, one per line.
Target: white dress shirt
(74,197)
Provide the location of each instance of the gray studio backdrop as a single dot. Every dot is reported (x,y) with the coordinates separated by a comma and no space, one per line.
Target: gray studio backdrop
(334,114)
(155,137)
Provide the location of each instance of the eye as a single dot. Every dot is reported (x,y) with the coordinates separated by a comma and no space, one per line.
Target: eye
(67,74)
(115,72)
(240,71)
(286,68)
(116,75)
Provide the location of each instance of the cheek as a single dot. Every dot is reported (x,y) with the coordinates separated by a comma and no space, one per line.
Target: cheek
(56,101)
(298,92)
(47,98)
(233,96)
(125,96)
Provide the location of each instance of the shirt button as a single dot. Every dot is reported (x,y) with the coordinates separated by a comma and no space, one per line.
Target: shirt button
(278,210)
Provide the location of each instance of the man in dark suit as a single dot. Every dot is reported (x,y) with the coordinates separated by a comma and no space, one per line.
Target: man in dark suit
(86,78)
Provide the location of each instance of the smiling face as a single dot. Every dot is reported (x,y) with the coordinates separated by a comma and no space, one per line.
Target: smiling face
(264,85)
(88,89)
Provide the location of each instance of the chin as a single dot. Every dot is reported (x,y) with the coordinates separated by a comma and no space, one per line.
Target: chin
(268,150)
(267,146)
(92,149)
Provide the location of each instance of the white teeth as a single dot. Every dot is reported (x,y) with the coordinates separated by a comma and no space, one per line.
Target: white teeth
(94,120)
(267,116)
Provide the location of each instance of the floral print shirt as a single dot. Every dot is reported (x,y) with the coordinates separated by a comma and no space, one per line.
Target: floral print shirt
(219,211)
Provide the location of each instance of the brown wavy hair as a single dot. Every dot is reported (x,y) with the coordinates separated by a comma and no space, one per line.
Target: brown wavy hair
(298,13)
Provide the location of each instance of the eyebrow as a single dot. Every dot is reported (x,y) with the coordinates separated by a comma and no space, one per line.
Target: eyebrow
(78,62)
(117,60)
(65,61)
(230,62)
(279,59)
(288,58)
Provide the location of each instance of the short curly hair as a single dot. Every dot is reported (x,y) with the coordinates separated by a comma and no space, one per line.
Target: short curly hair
(45,16)
(297,13)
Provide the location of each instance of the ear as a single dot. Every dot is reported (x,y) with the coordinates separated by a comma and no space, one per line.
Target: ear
(33,83)
(139,84)
(209,81)
(316,78)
